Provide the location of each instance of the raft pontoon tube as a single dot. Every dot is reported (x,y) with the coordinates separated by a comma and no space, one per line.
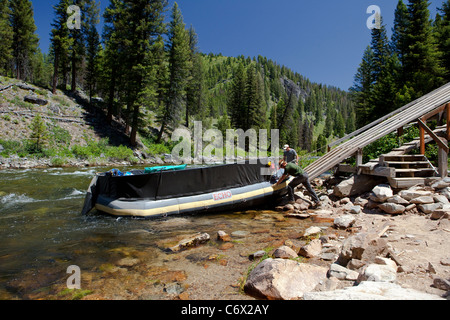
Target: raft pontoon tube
(167,191)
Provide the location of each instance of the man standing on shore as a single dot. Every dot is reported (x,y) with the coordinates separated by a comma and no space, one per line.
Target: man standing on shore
(300,176)
(290,155)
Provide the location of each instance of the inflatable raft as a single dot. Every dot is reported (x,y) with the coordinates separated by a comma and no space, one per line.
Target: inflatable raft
(175,191)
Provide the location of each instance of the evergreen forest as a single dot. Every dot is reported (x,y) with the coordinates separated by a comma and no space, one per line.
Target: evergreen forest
(146,68)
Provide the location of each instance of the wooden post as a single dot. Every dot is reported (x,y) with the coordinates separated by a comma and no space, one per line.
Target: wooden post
(359,160)
(443,163)
(422,139)
(447,107)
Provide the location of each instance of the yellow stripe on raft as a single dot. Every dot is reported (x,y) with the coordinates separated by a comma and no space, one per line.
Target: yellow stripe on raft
(188,206)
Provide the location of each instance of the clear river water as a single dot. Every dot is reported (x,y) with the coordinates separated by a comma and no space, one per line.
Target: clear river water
(43,233)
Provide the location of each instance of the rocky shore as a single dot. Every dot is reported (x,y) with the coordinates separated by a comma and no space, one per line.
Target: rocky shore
(396,249)
(17,163)
(381,245)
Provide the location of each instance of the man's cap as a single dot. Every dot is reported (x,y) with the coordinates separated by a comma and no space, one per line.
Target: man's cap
(285,146)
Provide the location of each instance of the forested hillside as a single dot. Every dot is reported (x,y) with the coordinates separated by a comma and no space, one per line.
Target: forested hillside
(152,77)
(412,63)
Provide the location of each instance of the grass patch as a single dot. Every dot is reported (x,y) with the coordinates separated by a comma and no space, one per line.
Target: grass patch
(75,294)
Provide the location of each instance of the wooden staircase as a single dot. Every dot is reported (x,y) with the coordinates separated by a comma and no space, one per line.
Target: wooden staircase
(436,103)
(409,170)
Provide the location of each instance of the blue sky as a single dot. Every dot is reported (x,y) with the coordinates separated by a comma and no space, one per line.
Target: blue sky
(322,40)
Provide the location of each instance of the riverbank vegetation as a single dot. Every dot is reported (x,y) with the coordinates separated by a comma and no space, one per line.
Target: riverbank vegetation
(144,75)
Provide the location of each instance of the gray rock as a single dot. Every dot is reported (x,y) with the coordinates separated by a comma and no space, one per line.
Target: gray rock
(423,200)
(312,231)
(257,255)
(35,100)
(355,210)
(284,252)
(240,234)
(356,185)
(441,283)
(378,273)
(381,193)
(441,184)
(439,198)
(344,222)
(440,214)
(362,246)
(173,288)
(128,262)
(398,200)
(312,249)
(192,241)
(281,279)
(25,86)
(429,208)
(372,291)
(412,194)
(392,208)
(342,273)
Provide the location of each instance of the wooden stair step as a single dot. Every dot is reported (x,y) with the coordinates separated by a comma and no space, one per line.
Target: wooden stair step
(415,170)
(405,157)
(401,183)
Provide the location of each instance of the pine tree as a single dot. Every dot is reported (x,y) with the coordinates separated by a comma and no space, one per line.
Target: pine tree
(362,88)
(114,33)
(421,62)
(93,46)
(195,87)
(236,102)
(179,66)
(25,41)
(380,49)
(146,25)
(78,48)
(339,126)
(60,43)
(385,76)
(39,134)
(255,112)
(6,37)
(443,36)
(398,45)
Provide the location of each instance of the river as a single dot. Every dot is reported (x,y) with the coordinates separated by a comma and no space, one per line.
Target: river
(43,233)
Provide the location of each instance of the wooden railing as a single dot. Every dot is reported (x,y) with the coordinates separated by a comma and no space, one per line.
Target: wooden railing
(352,144)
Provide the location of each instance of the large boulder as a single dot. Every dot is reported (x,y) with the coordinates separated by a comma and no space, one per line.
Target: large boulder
(281,279)
(356,185)
(35,100)
(372,291)
(362,246)
(381,193)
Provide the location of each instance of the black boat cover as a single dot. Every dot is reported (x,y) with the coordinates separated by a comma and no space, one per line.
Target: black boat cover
(173,184)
